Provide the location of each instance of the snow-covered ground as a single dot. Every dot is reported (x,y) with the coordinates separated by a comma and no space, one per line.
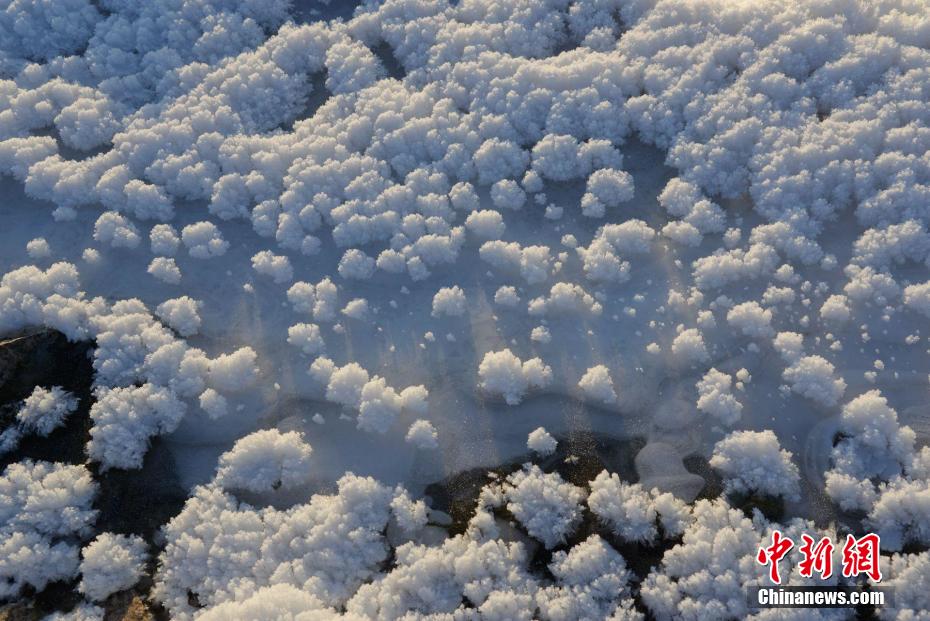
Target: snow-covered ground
(330,255)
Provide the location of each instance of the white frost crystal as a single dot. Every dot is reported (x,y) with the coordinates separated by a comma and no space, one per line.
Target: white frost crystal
(126,418)
(204,240)
(813,377)
(541,442)
(754,462)
(545,504)
(45,409)
(423,435)
(44,509)
(503,373)
(449,301)
(266,460)
(597,384)
(715,397)
(182,314)
(111,563)
(634,513)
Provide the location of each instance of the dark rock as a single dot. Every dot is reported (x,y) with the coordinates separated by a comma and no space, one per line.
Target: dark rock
(127,606)
(581,456)
(713,483)
(773,508)
(46,358)
(457,495)
(19,611)
(129,501)
(139,501)
(60,595)
(578,458)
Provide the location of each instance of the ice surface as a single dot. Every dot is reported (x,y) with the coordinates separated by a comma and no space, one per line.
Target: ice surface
(411,233)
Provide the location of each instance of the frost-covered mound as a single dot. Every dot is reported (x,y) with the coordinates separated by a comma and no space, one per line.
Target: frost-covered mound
(412,234)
